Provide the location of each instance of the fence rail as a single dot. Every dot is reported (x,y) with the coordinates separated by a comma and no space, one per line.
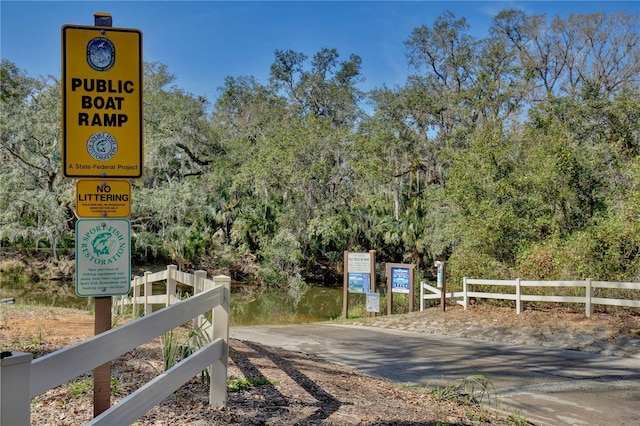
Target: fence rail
(141,293)
(520,293)
(436,293)
(22,378)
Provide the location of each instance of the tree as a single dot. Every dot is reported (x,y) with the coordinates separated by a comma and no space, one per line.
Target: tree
(563,57)
(326,90)
(35,203)
(445,57)
(179,140)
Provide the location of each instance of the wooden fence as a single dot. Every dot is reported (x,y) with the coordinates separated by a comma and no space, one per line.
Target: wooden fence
(22,378)
(520,294)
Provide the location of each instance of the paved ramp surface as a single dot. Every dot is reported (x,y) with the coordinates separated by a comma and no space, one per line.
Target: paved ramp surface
(547,386)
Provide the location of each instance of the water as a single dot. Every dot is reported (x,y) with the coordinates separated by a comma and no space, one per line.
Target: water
(253,308)
(248,305)
(53,293)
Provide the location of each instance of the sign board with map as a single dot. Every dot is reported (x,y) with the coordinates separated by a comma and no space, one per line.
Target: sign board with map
(359,276)
(103,257)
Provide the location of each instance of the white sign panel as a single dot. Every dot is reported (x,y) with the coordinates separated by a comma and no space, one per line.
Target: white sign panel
(373,302)
(103,257)
(359,262)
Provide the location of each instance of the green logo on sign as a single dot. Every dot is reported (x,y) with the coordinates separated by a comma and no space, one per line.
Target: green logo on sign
(103,244)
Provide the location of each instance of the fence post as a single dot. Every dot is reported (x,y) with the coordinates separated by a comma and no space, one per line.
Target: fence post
(198,287)
(147,292)
(218,370)
(518,293)
(136,295)
(465,296)
(15,391)
(171,284)
(588,308)
(123,303)
(421,296)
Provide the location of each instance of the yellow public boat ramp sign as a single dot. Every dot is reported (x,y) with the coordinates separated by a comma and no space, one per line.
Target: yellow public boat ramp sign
(102,105)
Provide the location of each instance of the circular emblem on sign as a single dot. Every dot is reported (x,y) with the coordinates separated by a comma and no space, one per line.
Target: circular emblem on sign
(102,146)
(103,244)
(101,54)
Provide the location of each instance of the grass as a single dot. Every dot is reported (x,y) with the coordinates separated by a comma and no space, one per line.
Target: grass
(473,390)
(180,344)
(117,317)
(518,419)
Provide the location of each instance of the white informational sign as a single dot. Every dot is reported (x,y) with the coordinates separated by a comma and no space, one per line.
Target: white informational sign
(373,302)
(103,257)
(359,262)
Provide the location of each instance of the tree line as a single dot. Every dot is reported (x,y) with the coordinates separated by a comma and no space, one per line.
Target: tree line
(513,155)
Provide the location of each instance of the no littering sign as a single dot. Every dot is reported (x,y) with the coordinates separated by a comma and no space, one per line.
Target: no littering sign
(103,198)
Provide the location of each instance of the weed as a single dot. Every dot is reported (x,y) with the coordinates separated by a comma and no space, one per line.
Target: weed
(178,346)
(38,340)
(237,385)
(472,389)
(80,387)
(126,313)
(115,386)
(85,385)
(518,419)
(411,385)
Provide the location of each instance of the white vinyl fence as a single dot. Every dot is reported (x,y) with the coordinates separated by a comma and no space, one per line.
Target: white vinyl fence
(522,292)
(22,378)
(141,294)
(428,292)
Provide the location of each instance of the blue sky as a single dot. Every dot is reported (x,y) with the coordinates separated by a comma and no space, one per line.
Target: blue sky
(202,42)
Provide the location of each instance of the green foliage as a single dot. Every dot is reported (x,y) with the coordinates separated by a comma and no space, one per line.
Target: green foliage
(34,200)
(85,385)
(493,156)
(280,266)
(518,419)
(541,261)
(244,383)
(14,275)
(474,389)
(178,345)
(78,388)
